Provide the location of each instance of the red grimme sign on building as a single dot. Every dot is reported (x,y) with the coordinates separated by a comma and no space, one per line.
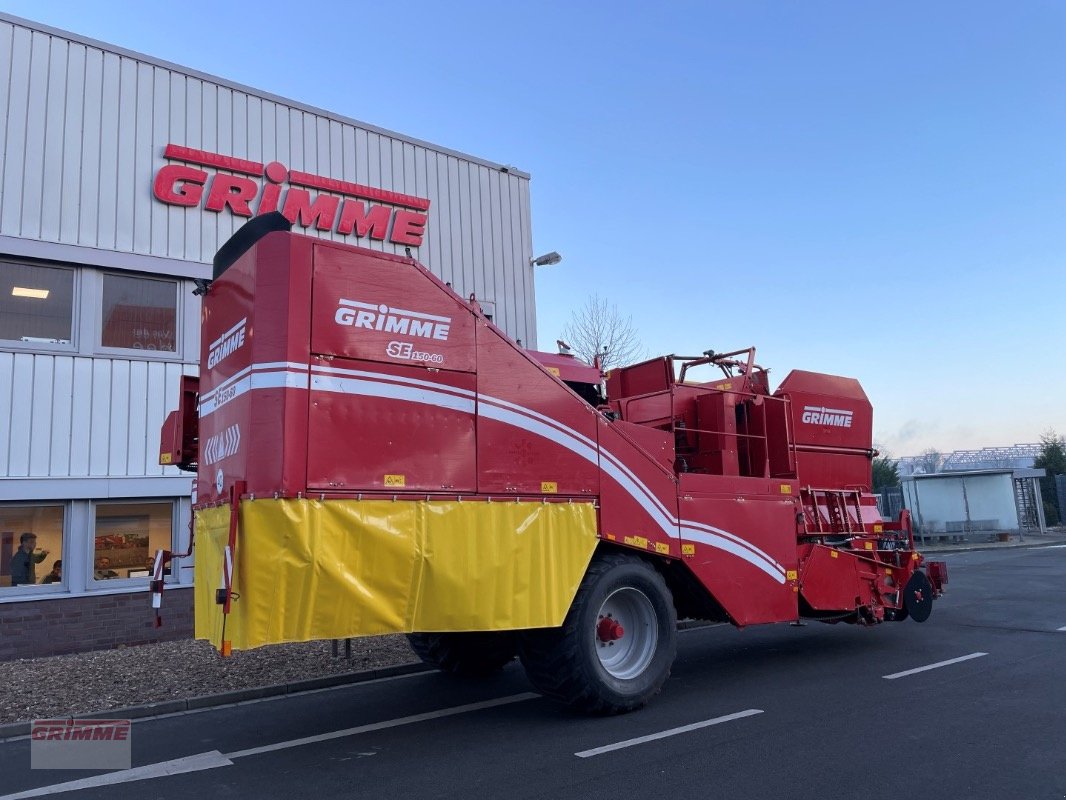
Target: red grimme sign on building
(338,206)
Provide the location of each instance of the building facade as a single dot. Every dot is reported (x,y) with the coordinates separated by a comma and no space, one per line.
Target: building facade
(121,177)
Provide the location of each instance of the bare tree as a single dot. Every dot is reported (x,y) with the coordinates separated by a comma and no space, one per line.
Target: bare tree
(599,329)
(930,461)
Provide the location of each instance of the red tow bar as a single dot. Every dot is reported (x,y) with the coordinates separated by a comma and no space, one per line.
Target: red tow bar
(608,630)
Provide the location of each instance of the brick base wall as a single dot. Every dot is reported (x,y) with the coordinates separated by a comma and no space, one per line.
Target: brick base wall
(76,624)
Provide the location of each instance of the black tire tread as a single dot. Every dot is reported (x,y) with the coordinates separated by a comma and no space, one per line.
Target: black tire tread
(552,658)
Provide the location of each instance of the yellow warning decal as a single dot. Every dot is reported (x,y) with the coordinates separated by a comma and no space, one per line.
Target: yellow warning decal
(834,554)
(395,480)
(915,556)
(610,536)
(554,371)
(688,549)
(165,458)
(878,527)
(888,572)
(786,489)
(869,545)
(662,547)
(637,541)
(791,575)
(725,387)
(549,487)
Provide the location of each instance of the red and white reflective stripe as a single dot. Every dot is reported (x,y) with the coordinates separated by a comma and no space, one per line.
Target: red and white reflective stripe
(157,575)
(394,387)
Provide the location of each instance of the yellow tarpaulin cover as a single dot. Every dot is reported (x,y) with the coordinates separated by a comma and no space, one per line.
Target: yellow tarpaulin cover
(308,569)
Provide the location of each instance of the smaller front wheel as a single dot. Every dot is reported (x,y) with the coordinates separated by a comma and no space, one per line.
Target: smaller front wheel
(617,644)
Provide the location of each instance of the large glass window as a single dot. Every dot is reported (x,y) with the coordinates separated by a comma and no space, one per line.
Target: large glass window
(36,303)
(139,313)
(31,545)
(127,536)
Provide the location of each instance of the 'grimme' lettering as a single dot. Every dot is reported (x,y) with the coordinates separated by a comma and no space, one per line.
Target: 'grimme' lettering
(227,343)
(183,185)
(392,320)
(834,417)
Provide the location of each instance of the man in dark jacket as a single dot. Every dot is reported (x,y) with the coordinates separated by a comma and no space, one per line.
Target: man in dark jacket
(24,562)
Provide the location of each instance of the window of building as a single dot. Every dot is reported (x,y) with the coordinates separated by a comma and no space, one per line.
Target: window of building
(31,545)
(127,536)
(139,313)
(36,303)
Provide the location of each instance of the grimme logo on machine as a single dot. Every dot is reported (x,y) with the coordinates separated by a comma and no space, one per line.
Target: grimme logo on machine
(379,317)
(819,415)
(231,340)
(339,207)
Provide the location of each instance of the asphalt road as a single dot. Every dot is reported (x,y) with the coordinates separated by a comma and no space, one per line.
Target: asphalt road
(770,712)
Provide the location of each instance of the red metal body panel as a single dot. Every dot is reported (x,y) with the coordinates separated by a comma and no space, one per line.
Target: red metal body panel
(755,522)
(361,310)
(638,500)
(533,433)
(833,423)
(253,389)
(383,427)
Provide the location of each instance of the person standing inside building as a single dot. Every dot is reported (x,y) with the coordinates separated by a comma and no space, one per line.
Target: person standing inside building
(24,562)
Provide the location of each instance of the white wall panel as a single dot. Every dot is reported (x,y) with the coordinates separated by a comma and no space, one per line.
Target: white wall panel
(7,390)
(61,415)
(73,416)
(81,416)
(18,455)
(41,400)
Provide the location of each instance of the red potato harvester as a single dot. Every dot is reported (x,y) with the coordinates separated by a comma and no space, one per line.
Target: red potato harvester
(375,456)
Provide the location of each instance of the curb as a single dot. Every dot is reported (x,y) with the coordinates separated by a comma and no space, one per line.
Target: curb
(985,547)
(15,730)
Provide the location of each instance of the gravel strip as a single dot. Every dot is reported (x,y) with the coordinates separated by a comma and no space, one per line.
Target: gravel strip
(65,686)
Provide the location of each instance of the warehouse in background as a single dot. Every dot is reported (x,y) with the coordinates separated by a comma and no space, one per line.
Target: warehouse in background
(122,175)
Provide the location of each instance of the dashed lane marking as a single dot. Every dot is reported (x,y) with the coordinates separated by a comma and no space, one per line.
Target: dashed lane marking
(651,737)
(927,667)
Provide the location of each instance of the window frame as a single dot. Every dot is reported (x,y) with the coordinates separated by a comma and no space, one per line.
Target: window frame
(97,346)
(92,583)
(39,590)
(71,347)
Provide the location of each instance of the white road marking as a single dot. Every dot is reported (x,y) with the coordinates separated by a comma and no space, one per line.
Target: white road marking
(937,665)
(212,759)
(196,763)
(651,737)
(377,726)
(1063,628)
(1049,547)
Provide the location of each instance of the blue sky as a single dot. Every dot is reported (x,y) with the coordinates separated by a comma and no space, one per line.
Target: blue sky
(870,189)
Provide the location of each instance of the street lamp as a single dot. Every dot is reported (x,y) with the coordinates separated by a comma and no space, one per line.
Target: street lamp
(546,260)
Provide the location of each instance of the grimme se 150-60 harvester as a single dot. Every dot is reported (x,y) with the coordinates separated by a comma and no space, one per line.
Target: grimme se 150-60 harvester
(375,456)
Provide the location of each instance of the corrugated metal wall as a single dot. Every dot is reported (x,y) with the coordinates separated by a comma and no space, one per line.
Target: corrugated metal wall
(74,416)
(82,132)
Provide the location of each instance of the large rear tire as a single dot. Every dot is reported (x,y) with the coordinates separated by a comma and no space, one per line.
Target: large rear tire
(472,654)
(617,643)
